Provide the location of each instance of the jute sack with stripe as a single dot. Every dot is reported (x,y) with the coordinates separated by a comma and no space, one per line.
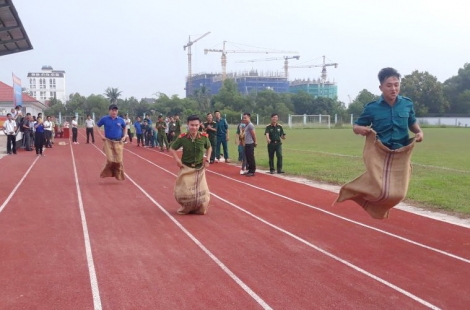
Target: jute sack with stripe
(385,182)
(113,166)
(191,191)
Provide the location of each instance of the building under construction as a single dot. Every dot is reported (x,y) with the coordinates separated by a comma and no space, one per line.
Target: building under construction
(253,81)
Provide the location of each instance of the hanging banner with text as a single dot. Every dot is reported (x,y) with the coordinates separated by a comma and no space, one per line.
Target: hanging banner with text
(17,94)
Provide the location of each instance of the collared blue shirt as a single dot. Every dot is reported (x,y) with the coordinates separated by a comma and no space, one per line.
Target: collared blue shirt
(221,127)
(138,129)
(391,123)
(113,128)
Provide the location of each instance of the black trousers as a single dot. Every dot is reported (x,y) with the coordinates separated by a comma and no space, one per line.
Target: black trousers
(89,131)
(275,148)
(140,139)
(48,137)
(129,134)
(11,144)
(27,140)
(74,134)
(250,157)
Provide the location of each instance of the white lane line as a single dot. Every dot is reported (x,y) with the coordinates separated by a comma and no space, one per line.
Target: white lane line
(366,273)
(18,185)
(89,255)
(345,262)
(237,280)
(346,219)
(337,216)
(245,287)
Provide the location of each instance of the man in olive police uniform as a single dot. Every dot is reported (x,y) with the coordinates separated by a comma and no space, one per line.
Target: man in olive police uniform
(194,143)
(274,133)
(162,138)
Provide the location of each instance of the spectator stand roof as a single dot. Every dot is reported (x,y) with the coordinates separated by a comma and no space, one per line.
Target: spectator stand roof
(13,36)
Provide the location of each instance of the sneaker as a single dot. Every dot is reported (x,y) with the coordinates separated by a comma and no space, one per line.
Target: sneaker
(216,160)
(271,171)
(250,174)
(280,172)
(242,172)
(227,160)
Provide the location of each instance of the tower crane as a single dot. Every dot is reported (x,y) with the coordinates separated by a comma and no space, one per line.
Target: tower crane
(286,62)
(225,51)
(323,71)
(190,43)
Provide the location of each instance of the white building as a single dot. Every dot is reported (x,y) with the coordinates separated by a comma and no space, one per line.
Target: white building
(47,84)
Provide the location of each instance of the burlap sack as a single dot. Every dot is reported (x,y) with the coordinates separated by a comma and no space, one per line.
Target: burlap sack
(385,182)
(113,166)
(191,191)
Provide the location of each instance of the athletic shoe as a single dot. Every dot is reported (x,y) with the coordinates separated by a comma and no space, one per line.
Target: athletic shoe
(271,171)
(250,174)
(227,160)
(280,172)
(242,172)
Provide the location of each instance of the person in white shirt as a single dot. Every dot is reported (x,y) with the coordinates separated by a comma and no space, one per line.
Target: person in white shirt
(128,122)
(90,124)
(16,112)
(74,130)
(48,132)
(9,128)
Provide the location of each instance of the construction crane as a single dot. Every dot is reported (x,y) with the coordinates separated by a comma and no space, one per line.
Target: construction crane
(323,71)
(286,62)
(190,43)
(224,55)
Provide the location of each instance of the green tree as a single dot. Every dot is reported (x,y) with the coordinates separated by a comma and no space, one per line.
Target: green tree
(462,104)
(454,88)
(230,98)
(363,98)
(112,94)
(425,91)
(55,107)
(203,98)
(303,103)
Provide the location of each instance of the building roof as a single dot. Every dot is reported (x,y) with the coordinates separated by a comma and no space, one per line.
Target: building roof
(6,94)
(13,36)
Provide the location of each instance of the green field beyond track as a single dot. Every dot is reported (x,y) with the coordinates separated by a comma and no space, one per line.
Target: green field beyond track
(441,164)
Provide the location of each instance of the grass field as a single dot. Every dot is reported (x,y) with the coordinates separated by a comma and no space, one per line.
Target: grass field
(441,164)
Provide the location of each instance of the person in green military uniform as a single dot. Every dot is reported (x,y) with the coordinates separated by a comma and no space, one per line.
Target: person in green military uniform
(178,126)
(274,133)
(210,127)
(161,135)
(193,143)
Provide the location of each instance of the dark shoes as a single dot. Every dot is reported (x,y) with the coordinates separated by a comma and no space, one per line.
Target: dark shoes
(271,171)
(280,171)
(249,174)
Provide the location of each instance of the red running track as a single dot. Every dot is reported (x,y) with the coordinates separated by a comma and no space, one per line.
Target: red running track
(70,240)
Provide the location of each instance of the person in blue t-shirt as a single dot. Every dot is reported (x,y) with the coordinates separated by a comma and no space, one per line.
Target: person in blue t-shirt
(114,125)
(138,131)
(391,116)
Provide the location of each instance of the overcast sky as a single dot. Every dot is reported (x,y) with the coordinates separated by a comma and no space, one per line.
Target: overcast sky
(137,46)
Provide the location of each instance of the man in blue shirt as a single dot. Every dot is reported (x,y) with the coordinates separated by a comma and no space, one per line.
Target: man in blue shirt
(115,134)
(391,115)
(114,126)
